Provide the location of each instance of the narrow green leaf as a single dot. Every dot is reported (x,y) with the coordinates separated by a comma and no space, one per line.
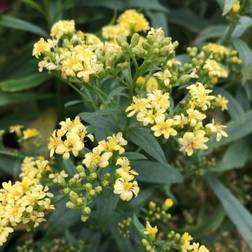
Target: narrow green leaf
(122,4)
(134,155)
(245,54)
(155,172)
(235,156)
(8,99)
(27,82)
(188,19)
(244,23)
(210,32)
(19,24)
(239,215)
(143,138)
(62,218)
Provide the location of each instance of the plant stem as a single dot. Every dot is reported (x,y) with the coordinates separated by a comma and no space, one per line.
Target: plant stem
(234,23)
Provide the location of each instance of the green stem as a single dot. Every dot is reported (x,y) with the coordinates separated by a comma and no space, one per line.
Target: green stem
(234,23)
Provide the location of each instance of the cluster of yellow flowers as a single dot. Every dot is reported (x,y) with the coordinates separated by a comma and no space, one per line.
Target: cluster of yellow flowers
(174,241)
(187,246)
(73,54)
(90,179)
(23,134)
(25,201)
(213,62)
(69,138)
(125,185)
(187,121)
(128,23)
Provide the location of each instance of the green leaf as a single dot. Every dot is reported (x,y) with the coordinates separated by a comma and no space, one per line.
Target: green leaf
(8,99)
(239,215)
(19,24)
(155,172)
(138,225)
(143,138)
(236,130)
(27,82)
(210,32)
(122,4)
(235,156)
(141,199)
(101,122)
(62,218)
(158,19)
(9,164)
(228,6)
(244,23)
(69,166)
(188,19)
(245,54)
(134,155)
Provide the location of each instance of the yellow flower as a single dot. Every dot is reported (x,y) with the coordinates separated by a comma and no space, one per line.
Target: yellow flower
(138,105)
(40,47)
(16,129)
(73,144)
(115,31)
(151,84)
(134,20)
(164,127)
(148,116)
(217,129)
(197,248)
(4,233)
(159,101)
(221,102)
(193,141)
(164,76)
(23,202)
(215,69)
(126,189)
(140,81)
(71,65)
(125,170)
(115,143)
(236,7)
(30,133)
(216,49)
(97,159)
(62,27)
(74,133)
(34,168)
(185,242)
(168,203)
(194,116)
(150,231)
(200,96)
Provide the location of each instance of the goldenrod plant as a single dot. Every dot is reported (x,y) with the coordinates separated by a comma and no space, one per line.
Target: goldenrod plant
(125,145)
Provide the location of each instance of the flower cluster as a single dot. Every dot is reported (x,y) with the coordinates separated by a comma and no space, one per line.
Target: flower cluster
(75,55)
(91,176)
(126,185)
(69,138)
(25,201)
(153,242)
(128,23)
(186,122)
(213,62)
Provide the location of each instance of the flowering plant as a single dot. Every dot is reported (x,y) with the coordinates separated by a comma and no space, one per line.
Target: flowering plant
(146,124)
